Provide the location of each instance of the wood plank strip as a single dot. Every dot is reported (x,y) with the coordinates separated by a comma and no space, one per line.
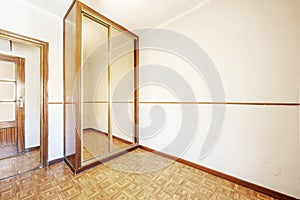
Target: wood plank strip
(225,103)
(14,130)
(9,124)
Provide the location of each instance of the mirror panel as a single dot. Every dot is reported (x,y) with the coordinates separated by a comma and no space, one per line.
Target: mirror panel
(122,88)
(94,88)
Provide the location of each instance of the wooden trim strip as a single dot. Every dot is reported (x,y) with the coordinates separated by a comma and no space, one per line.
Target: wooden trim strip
(57,103)
(21,38)
(44,50)
(20,112)
(136,90)
(69,10)
(7,81)
(58,160)
(32,149)
(8,124)
(8,101)
(108,102)
(10,45)
(224,103)
(77,85)
(97,15)
(233,179)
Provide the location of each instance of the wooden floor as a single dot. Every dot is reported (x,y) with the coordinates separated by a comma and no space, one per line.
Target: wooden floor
(19,164)
(95,144)
(136,175)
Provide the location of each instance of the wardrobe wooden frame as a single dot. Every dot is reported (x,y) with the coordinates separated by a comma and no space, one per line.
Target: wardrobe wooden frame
(82,9)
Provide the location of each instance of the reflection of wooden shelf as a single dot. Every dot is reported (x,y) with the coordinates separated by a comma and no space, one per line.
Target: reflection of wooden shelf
(8,101)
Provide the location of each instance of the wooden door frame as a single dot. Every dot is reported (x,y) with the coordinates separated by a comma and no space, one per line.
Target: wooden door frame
(20,91)
(44,46)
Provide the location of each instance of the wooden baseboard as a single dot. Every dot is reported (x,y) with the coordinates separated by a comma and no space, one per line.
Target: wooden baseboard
(32,149)
(55,161)
(233,179)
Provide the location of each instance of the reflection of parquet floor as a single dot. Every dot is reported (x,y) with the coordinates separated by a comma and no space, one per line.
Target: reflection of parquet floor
(7,151)
(136,175)
(96,144)
(19,164)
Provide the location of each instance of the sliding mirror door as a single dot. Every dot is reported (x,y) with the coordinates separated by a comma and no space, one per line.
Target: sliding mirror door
(95,138)
(122,63)
(100,88)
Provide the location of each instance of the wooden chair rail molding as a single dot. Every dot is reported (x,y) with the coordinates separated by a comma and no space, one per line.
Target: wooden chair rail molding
(53,103)
(200,103)
(225,103)
(233,179)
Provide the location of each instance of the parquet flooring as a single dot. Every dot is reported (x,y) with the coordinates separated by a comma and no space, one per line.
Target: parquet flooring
(96,144)
(19,164)
(136,175)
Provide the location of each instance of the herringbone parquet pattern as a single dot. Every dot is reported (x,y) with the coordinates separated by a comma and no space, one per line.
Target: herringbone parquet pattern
(136,175)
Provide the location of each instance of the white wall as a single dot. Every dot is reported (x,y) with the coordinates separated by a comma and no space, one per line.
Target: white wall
(19,17)
(255,47)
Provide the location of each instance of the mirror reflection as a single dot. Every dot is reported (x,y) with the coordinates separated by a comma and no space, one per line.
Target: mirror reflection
(122,88)
(107,88)
(95,89)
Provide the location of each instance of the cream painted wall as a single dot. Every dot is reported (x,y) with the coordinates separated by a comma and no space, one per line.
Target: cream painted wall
(255,47)
(22,18)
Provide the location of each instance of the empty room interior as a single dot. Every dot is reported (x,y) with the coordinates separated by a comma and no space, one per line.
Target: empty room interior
(140,99)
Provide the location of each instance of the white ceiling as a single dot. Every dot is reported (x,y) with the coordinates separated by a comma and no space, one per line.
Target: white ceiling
(132,14)
(56,7)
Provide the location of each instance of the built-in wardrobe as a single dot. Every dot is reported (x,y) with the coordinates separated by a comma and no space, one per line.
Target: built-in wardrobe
(100,88)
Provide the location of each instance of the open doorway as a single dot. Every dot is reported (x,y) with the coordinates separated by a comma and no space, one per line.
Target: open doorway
(23,104)
(12,91)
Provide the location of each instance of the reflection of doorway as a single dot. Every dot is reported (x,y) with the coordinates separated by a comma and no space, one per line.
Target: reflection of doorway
(34,153)
(12,91)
